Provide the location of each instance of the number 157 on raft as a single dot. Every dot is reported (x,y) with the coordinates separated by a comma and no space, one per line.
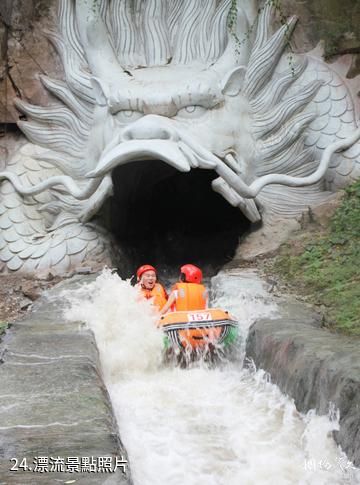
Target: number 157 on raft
(199,317)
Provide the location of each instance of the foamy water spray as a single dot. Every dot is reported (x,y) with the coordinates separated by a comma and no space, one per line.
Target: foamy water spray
(123,323)
(201,426)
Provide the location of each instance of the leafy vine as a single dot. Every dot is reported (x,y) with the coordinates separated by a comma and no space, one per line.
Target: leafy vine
(232,23)
(94,5)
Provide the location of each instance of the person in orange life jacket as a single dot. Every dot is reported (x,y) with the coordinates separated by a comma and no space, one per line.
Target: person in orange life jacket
(189,294)
(149,287)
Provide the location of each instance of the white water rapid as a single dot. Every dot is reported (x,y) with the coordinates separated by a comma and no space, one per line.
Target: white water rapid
(200,426)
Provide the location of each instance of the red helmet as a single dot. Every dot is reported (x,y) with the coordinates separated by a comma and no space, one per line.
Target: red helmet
(192,273)
(143,268)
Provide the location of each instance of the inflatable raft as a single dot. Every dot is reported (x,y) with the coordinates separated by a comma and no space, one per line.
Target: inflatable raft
(199,330)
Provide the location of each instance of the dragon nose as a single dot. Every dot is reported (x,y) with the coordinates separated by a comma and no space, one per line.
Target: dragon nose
(149,127)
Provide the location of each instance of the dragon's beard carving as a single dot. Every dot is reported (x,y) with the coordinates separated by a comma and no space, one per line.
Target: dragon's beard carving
(167,82)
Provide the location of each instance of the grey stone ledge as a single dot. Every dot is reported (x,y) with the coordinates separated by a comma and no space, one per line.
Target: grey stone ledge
(313,366)
(53,401)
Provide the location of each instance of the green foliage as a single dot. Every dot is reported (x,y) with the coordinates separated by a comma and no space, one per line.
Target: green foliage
(3,327)
(327,270)
(232,23)
(94,5)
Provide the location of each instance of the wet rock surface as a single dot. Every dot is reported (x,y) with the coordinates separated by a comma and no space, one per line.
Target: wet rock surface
(53,403)
(313,366)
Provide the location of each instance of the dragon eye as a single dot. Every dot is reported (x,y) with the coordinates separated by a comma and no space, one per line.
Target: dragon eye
(127,115)
(191,111)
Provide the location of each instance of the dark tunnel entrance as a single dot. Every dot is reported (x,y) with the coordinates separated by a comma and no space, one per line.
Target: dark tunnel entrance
(168,218)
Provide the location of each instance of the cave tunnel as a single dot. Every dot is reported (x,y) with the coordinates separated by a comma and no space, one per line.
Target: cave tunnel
(167,218)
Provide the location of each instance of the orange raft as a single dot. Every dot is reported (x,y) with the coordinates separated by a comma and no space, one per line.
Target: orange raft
(198,329)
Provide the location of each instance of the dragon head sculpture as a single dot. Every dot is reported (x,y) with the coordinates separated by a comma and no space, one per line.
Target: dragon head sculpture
(189,84)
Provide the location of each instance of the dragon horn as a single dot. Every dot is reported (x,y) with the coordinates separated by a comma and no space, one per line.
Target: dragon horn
(237,51)
(95,40)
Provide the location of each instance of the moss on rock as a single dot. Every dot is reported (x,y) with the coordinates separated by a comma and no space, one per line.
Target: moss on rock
(323,265)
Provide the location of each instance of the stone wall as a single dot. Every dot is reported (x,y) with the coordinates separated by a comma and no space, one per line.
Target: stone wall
(25,53)
(53,401)
(312,366)
(335,22)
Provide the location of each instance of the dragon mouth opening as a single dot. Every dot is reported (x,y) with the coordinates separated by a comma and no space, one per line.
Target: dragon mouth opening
(162,216)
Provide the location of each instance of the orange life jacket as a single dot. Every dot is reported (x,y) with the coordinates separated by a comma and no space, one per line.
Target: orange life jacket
(190,296)
(158,293)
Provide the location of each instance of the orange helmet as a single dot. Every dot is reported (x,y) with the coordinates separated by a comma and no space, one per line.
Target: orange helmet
(192,273)
(143,268)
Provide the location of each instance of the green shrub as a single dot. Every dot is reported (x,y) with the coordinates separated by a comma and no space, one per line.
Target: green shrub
(3,327)
(327,270)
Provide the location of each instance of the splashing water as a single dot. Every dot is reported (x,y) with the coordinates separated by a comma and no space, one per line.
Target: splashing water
(201,426)
(123,323)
